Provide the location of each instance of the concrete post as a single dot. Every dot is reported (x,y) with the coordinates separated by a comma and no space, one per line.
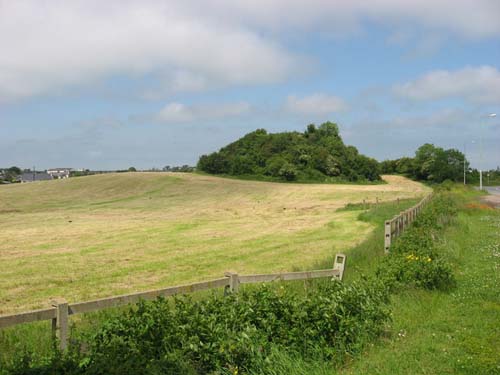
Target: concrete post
(60,329)
(234,282)
(339,264)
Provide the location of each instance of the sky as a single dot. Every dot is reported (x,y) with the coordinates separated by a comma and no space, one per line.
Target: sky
(113,84)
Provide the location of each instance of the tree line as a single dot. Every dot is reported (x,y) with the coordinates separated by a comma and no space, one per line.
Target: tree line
(435,164)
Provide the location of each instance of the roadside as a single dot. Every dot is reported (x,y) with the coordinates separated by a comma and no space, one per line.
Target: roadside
(493,199)
(453,332)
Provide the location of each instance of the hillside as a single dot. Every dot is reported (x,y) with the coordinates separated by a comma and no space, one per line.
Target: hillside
(318,154)
(101,235)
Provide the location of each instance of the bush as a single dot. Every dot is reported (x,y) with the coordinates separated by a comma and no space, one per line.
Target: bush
(238,333)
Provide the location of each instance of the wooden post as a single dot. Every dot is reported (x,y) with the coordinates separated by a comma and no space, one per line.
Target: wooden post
(234,282)
(388,233)
(376,201)
(339,264)
(364,204)
(60,323)
(398,201)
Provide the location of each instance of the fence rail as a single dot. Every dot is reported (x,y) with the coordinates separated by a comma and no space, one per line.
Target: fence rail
(398,224)
(61,309)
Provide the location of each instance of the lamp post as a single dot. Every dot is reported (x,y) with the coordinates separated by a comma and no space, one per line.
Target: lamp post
(491,115)
(464,163)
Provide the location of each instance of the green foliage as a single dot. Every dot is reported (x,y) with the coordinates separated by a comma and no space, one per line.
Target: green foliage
(315,155)
(228,334)
(430,163)
(10,174)
(414,259)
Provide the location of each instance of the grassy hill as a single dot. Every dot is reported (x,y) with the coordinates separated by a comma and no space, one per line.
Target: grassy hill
(102,235)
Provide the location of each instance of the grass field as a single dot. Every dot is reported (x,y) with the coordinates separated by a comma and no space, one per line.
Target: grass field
(103,235)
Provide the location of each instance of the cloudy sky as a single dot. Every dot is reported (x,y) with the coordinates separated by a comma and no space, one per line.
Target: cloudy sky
(111,84)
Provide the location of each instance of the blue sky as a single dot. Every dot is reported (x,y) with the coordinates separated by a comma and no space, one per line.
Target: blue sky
(108,85)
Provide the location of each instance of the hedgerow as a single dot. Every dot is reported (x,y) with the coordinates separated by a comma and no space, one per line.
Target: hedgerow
(415,258)
(237,333)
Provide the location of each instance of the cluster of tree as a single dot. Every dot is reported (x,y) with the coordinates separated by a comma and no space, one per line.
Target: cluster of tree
(430,163)
(318,154)
(182,168)
(9,175)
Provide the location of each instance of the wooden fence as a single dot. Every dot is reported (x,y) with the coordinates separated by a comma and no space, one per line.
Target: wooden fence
(397,225)
(61,310)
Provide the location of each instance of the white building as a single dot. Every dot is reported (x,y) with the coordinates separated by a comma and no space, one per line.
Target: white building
(58,173)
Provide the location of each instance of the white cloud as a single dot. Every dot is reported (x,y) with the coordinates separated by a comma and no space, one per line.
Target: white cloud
(316,104)
(475,84)
(48,46)
(180,113)
(471,19)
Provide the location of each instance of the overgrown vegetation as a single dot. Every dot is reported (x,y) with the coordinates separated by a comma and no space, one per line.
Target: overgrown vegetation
(447,331)
(318,154)
(237,333)
(414,258)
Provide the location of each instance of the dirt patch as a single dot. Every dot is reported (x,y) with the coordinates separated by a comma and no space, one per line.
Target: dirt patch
(478,206)
(491,200)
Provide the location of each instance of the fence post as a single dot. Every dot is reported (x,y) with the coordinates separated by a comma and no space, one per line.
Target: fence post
(388,235)
(339,264)
(60,322)
(234,282)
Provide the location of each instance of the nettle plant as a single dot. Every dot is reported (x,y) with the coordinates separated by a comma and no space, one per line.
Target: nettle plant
(415,258)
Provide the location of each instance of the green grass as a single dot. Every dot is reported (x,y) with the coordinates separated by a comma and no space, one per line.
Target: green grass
(448,333)
(434,332)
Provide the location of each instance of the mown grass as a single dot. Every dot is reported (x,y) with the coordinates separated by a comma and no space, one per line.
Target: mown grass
(97,236)
(432,332)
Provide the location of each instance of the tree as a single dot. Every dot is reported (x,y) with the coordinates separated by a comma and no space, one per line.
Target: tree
(288,171)
(132,169)
(315,154)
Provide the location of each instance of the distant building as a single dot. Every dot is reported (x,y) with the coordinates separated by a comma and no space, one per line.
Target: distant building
(35,176)
(58,173)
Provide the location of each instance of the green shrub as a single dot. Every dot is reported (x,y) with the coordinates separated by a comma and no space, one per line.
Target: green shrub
(238,333)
